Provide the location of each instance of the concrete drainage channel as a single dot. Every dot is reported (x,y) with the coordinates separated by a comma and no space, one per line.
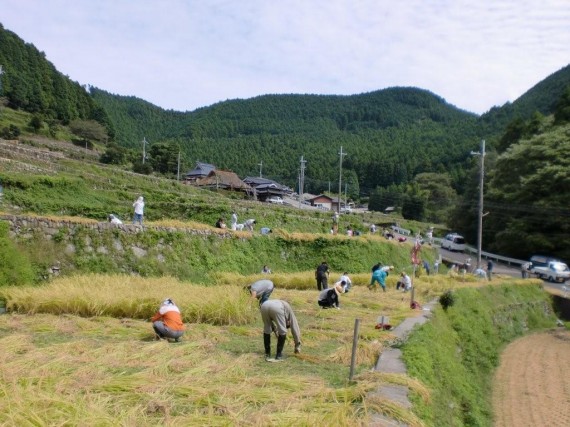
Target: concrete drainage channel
(390,361)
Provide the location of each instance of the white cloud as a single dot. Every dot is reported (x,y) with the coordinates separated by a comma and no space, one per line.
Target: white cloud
(182,54)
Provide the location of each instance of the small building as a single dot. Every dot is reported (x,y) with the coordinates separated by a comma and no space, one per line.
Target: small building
(325,202)
(223,180)
(322,201)
(202,170)
(265,188)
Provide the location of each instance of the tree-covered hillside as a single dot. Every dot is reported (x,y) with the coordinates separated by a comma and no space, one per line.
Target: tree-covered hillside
(541,98)
(31,83)
(389,136)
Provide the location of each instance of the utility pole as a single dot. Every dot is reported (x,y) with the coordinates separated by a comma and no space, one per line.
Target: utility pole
(302,181)
(341,155)
(178,169)
(260,167)
(144,149)
(481,154)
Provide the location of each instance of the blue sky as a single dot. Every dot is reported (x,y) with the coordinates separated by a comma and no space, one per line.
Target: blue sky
(186,54)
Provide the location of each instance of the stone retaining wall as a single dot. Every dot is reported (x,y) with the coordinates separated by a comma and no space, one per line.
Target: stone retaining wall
(23,227)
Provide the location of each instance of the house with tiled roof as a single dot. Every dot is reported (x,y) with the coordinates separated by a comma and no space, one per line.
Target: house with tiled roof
(201,170)
(265,188)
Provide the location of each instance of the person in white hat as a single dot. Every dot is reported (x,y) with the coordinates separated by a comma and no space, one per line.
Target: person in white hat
(167,322)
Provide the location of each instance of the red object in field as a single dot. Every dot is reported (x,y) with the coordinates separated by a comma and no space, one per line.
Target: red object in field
(402,239)
(383,326)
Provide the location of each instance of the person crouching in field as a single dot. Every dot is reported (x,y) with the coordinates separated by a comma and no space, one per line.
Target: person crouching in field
(328,298)
(277,315)
(167,322)
(261,290)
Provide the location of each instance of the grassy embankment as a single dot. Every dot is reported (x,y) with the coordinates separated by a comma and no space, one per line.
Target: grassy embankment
(80,351)
(456,353)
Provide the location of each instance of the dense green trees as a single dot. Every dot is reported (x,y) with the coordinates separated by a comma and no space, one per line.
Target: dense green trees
(528,196)
(31,83)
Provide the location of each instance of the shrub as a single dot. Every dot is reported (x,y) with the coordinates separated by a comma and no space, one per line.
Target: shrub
(447,299)
(15,267)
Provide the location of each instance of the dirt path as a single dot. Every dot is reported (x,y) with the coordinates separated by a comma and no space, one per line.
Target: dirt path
(532,383)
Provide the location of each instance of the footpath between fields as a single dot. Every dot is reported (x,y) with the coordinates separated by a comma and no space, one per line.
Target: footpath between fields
(390,361)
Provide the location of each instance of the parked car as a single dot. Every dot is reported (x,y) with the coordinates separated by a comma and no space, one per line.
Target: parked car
(453,242)
(550,269)
(346,209)
(275,199)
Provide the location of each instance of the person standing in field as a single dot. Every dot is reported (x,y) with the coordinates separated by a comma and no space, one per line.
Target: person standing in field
(261,290)
(379,276)
(139,210)
(490,266)
(322,276)
(233,221)
(335,223)
(278,316)
(167,322)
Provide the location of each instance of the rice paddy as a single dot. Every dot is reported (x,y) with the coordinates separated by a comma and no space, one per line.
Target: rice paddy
(80,351)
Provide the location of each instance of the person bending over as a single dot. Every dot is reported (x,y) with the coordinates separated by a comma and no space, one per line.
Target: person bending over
(278,316)
(261,290)
(328,298)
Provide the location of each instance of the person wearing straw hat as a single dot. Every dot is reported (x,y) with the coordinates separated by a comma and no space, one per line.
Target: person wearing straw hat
(167,322)
(328,298)
(278,316)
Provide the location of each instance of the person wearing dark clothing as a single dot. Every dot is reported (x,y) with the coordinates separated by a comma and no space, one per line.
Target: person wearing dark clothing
(376,267)
(490,266)
(322,276)
(328,298)
(426,267)
(278,316)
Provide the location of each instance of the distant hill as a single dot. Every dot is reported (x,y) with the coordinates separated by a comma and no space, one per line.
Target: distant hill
(541,98)
(389,135)
(31,83)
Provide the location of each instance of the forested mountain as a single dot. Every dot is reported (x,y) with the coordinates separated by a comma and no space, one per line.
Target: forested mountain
(540,98)
(389,136)
(31,83)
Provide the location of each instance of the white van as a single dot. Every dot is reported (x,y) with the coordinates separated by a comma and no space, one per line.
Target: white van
(453,242)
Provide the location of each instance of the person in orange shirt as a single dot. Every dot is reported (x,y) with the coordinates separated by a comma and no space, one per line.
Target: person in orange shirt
(167,322)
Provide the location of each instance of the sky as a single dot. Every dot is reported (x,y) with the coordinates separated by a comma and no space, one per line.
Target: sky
(187,54)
